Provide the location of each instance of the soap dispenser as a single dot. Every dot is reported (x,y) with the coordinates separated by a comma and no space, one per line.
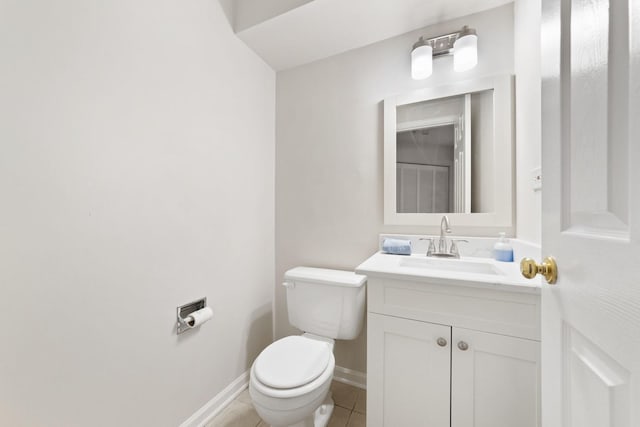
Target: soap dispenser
(502,250)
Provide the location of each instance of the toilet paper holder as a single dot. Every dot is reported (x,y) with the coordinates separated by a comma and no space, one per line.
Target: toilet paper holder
(185,310)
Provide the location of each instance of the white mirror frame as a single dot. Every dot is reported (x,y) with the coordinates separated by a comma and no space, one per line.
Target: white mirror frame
(473,223)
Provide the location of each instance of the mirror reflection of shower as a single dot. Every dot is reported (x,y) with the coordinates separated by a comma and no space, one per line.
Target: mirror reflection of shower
(425,170)
(444,150)
(433,158)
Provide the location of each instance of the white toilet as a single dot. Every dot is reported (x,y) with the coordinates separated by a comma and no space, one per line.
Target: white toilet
(290,379)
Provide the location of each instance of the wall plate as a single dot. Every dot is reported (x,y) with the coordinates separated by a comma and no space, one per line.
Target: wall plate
(184,310)
(536,179)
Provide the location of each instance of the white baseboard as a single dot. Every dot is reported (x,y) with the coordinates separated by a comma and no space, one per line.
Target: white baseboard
(351,377)
(230,392)
(218,403)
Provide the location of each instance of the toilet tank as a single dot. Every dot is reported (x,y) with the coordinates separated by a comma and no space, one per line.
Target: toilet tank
(330,303)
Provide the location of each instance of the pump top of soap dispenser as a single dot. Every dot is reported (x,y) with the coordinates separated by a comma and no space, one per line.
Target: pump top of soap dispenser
(502,250)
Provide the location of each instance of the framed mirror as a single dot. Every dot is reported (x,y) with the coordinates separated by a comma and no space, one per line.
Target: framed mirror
(449,150)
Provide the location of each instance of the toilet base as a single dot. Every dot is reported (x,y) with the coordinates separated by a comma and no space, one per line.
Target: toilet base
(320,417)
(323,413)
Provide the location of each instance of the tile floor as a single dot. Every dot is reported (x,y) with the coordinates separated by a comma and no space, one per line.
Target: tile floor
(349,411)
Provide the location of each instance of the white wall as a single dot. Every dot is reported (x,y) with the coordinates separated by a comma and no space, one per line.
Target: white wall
(136,174)
(482,149)
(436,148)
(329,143)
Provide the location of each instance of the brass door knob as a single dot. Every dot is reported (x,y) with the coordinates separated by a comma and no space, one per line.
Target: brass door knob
(549,269)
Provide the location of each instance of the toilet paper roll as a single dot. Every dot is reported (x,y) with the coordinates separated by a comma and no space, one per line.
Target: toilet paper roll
(197,318)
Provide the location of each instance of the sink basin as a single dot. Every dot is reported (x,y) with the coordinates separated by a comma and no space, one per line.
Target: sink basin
(453,265)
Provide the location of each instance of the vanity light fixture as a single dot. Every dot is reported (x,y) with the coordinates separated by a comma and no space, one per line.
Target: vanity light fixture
(465,50)
(462,44)
(421,60)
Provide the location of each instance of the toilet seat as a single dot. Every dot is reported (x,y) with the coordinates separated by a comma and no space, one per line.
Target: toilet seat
(288,407)
(292,362)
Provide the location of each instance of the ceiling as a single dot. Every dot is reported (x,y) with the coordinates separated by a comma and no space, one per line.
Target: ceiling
(290,33)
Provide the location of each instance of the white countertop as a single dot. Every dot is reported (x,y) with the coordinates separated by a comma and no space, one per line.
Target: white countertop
(504,276)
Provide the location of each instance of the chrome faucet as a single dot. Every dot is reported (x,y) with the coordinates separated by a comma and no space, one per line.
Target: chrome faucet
(443,252)
(444,228)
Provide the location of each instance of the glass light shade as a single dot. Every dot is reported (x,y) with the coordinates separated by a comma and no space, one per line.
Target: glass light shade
(465,53)
(421,62)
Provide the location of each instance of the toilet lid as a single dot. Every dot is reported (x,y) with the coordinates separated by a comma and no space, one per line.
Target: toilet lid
(292,362)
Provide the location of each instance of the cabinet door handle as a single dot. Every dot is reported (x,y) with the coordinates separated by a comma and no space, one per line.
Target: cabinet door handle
(463,346)
(442,342)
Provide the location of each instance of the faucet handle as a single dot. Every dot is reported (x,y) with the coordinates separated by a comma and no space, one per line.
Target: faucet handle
(432,245)
(454,246)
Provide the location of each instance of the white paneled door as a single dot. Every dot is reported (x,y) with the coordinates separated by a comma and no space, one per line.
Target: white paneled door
(462,160)
(591,212)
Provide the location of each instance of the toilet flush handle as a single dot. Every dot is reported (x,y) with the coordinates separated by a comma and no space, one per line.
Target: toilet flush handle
(288,285)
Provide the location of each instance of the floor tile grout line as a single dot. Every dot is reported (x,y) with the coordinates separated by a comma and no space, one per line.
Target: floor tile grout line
(350,410)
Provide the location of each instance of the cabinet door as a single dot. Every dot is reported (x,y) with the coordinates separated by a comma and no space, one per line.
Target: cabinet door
(408,373)
(494,380)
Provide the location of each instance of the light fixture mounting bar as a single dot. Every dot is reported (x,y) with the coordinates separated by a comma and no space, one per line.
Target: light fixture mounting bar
(443,45)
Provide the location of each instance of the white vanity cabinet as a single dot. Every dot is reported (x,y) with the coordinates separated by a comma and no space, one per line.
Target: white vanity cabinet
(441,355)
(494,382)
(408,380)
